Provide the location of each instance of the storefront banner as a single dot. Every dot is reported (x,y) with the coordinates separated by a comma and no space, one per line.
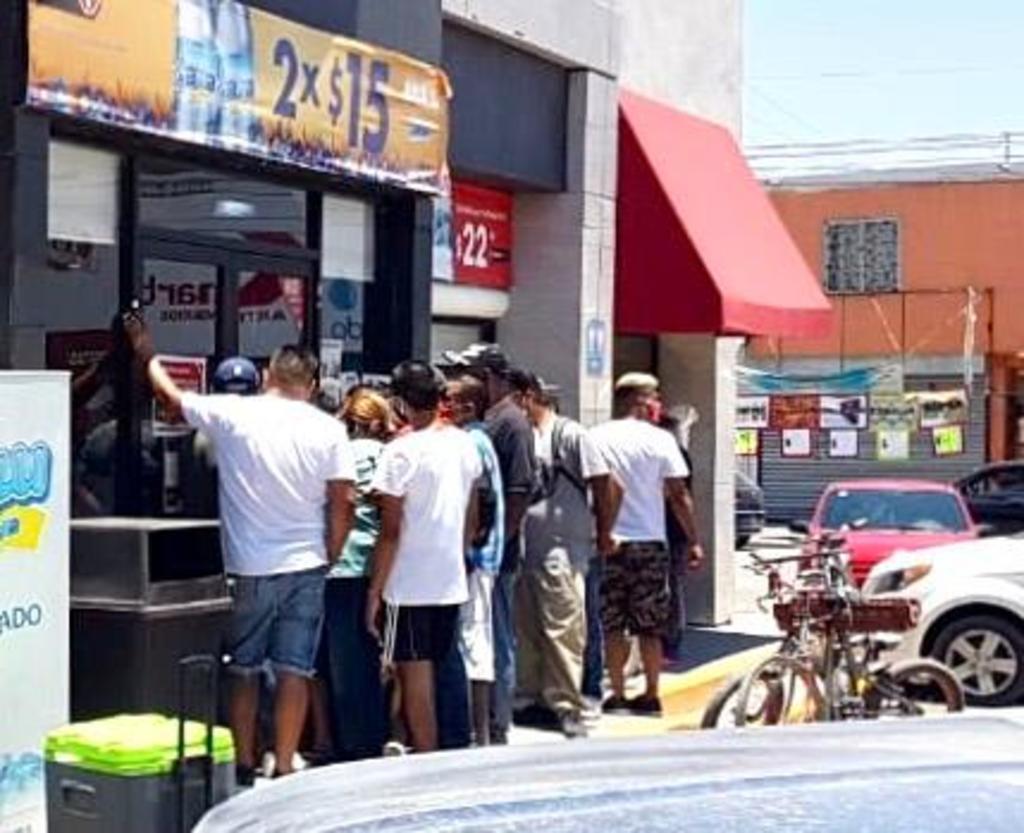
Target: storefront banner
(747,442)
(892,445)
(794,412)
(893,412)
(844,412)
(483,236)
(939,409)
(843,443)
(948,440)
(34,537)
(219,73)
(444,255)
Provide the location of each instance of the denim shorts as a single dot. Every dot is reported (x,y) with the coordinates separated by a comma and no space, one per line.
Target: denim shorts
(276,619)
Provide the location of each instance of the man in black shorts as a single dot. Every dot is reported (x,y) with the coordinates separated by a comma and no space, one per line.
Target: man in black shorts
(425,486)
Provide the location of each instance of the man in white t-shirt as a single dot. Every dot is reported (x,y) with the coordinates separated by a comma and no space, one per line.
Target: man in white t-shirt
(286,474)
(425,486)
(636,598)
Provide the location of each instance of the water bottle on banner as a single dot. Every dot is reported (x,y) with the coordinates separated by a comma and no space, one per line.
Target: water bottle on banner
(237,76)
(197,70)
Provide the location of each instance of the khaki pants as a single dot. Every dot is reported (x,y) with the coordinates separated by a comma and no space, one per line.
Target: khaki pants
(552,629)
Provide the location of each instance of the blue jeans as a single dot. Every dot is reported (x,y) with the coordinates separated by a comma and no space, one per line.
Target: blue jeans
(276,619)
(359,705)
(504,690)
(593,657)
(451,696)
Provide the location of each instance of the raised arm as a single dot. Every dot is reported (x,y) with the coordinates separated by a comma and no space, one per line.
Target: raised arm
(164,387)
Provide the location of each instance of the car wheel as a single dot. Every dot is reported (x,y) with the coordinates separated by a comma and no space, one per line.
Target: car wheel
(986,653)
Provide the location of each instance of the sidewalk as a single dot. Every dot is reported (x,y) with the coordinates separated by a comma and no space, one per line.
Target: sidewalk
(711,656)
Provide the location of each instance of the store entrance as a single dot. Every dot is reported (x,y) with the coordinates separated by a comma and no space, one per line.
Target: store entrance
(205,300)
(213,301)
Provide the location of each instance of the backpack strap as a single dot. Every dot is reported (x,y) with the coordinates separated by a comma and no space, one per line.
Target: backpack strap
(557,462)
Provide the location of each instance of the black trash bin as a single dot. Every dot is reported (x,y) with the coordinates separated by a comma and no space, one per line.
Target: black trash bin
(144,594)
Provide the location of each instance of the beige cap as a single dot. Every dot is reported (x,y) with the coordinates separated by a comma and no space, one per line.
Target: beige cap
(637,381)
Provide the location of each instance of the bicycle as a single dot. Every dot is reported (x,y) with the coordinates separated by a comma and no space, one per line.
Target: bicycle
(829,665)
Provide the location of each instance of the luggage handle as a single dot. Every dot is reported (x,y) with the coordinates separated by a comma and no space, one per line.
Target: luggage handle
(78,799)
(208,664)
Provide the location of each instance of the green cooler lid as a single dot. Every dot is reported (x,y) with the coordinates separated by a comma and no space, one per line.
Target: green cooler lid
(133,745)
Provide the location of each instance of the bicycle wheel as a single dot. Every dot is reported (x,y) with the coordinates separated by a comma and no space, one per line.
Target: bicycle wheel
(721,708)
(914,688)
(780,690)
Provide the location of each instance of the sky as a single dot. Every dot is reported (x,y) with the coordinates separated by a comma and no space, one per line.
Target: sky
(838,70)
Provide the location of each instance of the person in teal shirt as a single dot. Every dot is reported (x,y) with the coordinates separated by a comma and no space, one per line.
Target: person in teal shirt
(358,700)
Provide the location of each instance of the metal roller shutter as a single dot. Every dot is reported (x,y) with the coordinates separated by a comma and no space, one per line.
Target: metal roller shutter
(792,485)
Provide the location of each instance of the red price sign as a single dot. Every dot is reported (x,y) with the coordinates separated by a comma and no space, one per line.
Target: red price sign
(483,236)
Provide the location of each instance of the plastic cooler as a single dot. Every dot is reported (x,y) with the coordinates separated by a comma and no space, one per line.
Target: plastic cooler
(128,774)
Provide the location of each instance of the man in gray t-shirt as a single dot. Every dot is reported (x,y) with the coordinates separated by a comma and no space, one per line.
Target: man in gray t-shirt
(570,517)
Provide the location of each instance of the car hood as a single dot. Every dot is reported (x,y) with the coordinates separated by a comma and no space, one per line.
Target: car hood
(991,556)
(870,546)
(927,774)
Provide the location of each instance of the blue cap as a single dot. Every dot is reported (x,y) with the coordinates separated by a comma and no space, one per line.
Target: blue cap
(236,375)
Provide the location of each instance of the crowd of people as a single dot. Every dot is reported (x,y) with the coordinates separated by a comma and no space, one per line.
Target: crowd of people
(440,559)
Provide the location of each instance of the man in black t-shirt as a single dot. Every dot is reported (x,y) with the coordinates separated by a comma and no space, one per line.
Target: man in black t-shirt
(512,437)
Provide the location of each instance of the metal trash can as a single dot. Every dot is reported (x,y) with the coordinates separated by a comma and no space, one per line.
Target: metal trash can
(126,774)
(145,593)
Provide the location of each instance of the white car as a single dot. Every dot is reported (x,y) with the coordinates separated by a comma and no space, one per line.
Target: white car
(972,612)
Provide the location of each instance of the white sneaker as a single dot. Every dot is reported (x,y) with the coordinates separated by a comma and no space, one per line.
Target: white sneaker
(270,764)
(394,749)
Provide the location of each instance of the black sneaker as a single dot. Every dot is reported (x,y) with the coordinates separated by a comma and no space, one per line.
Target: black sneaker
(616,705)
(572,726)
(536,716)
(645,706)
(245,776)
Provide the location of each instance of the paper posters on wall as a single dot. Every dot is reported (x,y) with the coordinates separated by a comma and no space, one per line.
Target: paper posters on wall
(844,412)
(752,411)
(948,440)
(942,408)
(34,500)
(843,442)
(189,374)
(747,442)
(796,442)
(892,412)
(892,445)
(794,412)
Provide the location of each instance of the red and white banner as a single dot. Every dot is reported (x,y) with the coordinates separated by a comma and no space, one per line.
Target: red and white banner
(483,236)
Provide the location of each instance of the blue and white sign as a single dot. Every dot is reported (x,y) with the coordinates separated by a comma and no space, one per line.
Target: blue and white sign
(34,508)
(597,346)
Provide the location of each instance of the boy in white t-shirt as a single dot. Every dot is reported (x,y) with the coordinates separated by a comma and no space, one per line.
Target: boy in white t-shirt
(425,485)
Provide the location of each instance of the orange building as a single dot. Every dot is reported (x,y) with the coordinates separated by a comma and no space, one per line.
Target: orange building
(929,274)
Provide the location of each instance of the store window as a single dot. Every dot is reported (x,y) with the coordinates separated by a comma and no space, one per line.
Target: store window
(346,269)
(862,256)
(64,307)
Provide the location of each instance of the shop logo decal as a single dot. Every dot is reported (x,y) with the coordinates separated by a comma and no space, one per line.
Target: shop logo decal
(25,479)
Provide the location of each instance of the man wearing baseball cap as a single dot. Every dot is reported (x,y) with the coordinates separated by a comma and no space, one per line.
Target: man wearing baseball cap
(512,437)
(636,599)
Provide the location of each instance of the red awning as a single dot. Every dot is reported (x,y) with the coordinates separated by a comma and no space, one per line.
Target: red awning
(700,246)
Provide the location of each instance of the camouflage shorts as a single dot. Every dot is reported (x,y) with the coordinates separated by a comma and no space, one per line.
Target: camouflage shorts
(636,592)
